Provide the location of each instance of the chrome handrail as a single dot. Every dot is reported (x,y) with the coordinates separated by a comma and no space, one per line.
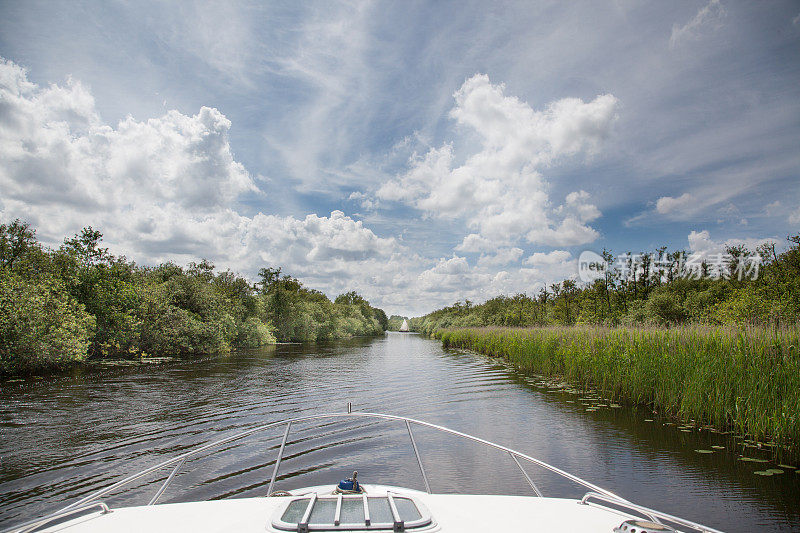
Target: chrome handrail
(33,525)
(650,513)
(181,459)
(419,460)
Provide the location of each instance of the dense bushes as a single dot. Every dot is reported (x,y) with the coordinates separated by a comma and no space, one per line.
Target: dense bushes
(41,325)
(60,306)
(303,314)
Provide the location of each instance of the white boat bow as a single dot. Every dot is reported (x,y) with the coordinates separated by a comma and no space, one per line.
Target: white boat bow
(354,507)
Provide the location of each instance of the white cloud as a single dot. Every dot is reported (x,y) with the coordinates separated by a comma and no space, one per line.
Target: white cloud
(475,243)
(773,208)
(668,205)
(498,189)
(315,238)
(503,256)
(364,200)
(570,232)
(556,257)
(57,152)
(480,282)
(577,205)
(794,217)
(447,274)
(709,16)
(327,56)
(165,189)
(701,242)
(221,34)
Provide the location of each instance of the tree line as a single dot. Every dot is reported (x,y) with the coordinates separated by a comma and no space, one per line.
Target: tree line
(61,305)
(638,290)
(396,322)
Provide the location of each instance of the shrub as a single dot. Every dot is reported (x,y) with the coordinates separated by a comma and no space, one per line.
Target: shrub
(254,333)
(664,308)
(41,325)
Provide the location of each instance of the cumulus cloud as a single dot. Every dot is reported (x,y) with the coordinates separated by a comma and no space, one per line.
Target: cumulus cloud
(701,242)
(555,257)
(709,16)
(503,256)
(57,152)
(668,205)
(498,188)
(475,243)
(364,200)
(164,189)
(446,274)
(482,281)
(315,238)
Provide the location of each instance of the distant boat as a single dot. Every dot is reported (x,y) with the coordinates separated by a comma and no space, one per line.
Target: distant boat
(404,327)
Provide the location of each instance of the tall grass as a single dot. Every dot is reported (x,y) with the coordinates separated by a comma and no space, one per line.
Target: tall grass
(744,380)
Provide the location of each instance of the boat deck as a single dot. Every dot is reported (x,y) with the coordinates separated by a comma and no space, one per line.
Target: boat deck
(464,513)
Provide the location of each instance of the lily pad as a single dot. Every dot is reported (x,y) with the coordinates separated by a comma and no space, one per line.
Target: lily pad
(648,419)
(615,405)
(774,470)
(718,447)
(753,460)
(790,467)
(686,430)
(704,451)
(762,473)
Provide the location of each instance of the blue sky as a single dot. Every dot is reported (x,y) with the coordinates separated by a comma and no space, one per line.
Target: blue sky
(420,153)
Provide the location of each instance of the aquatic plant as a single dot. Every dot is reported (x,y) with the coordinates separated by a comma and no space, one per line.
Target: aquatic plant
(743,379)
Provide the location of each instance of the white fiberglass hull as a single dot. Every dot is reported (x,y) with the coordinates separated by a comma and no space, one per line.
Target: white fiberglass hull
(451,512)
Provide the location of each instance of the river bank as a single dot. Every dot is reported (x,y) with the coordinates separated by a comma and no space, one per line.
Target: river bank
(735,379)
(62,306)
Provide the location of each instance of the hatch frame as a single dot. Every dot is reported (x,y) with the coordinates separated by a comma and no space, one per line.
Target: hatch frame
(398,524)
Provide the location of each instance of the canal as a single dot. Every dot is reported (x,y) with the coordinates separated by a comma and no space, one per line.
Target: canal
(64,436)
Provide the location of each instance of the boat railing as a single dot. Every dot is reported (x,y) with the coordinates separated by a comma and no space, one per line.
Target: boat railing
(596,494)
(63,515)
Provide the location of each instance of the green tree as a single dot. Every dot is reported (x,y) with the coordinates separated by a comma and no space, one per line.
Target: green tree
(41,325)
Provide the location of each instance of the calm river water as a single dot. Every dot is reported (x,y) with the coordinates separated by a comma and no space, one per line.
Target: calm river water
(65,436)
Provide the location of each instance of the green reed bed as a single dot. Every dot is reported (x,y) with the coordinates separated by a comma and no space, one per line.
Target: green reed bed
(744,380)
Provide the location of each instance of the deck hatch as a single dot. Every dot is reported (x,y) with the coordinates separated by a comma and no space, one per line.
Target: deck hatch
(392,512)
